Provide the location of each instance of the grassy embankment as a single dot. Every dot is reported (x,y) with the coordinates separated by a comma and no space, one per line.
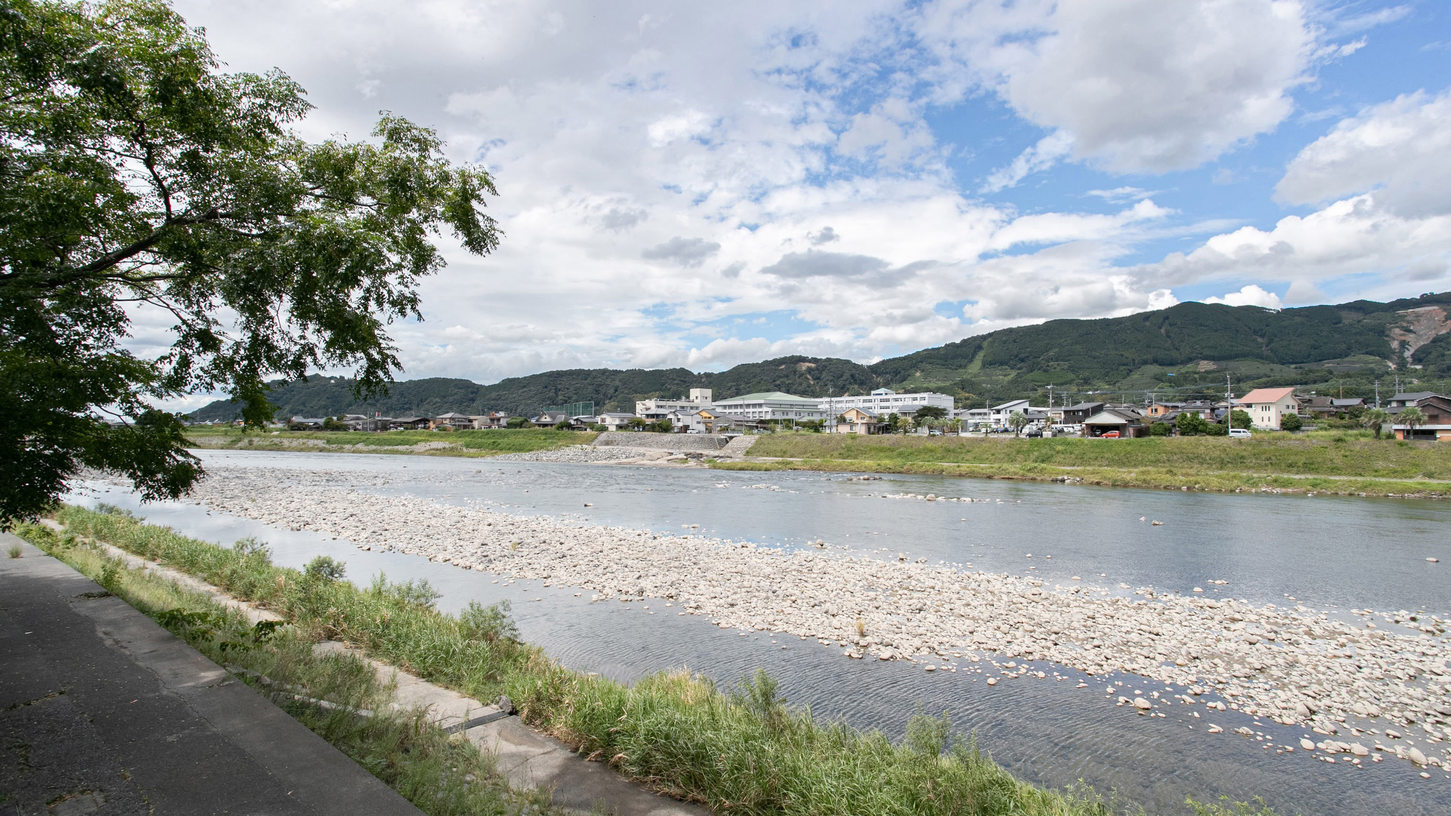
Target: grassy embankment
(435,443)
(1343,463)
(744,751)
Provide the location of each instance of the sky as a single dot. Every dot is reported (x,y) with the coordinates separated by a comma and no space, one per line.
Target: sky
(706,184)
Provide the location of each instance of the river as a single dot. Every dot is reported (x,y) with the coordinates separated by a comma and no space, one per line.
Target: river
(1327,553)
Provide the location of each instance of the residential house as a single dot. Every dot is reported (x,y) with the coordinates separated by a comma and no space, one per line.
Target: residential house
(410,423)
(1124,421)
(548,420)
(697,421)
(1001,413)
(456,421)
(1408,398)
(1076,414)
(858,421)
(1436,419)
(1159,408)
(1342,406)
(615,421)
(975,418)
(493,419)
(1267,406)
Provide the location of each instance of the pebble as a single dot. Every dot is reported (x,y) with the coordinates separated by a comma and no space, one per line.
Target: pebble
(1289,664)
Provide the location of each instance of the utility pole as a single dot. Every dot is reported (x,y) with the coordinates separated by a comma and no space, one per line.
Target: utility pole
(1377,393)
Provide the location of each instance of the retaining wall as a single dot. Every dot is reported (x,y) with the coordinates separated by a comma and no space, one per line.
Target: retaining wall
(661,441)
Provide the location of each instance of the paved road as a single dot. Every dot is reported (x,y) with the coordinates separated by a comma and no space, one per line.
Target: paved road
(102,711)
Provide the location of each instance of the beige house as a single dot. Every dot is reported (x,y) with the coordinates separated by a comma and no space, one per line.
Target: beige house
(1266,406)
(857,421)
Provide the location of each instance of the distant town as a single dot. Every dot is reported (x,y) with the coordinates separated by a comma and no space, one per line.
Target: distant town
(1414,415)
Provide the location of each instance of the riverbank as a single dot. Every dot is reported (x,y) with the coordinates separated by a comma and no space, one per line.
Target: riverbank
(1336,464)
(429,443)
(741,751)
(1343,464)
(1355,687)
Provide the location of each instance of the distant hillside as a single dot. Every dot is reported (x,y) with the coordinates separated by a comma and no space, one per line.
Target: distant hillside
(1185,348)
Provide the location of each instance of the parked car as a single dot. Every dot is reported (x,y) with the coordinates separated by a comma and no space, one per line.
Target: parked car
(1109,435)
(1035,433)
(1239,433)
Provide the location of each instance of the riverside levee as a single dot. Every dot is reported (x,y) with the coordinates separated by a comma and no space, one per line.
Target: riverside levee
(993,556)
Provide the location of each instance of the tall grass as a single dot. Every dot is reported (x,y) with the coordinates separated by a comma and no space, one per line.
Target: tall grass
(739,751)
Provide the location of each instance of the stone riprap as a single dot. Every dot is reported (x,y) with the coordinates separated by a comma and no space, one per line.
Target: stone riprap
(1297,666)
(661,441)
(579,454)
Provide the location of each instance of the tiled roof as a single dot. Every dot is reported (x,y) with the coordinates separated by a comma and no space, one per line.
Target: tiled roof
(1263,395)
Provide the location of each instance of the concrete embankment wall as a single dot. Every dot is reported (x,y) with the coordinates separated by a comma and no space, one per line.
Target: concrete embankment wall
(659,441)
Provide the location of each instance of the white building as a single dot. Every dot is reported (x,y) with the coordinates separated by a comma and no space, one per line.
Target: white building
(1267,406)
(769,405)
(657,409)
(884,402)
(614,421)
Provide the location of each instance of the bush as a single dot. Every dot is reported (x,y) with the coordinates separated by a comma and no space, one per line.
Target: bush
(1291,423)
(324,569)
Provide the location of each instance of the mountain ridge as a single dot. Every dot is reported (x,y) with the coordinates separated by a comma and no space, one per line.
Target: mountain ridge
(1189,347)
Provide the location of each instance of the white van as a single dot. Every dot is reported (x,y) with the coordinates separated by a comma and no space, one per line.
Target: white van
(1239,433)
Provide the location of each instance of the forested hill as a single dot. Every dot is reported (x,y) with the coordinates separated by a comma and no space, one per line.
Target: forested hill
(1188,347)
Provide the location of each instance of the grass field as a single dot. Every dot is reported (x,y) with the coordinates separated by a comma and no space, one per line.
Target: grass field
(1348,463)
(439,443)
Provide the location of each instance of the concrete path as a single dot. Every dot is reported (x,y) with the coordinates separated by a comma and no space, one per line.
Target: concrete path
(526,758)
(103,711)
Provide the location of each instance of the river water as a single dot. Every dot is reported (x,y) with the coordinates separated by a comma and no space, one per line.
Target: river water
(1327,553)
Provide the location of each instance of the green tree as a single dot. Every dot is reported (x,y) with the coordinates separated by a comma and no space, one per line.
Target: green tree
(1375,419)
(1411,417)
(1291,422)
(1191,425)
(1017,420)
(516,422)
(135,175)
(1239,418)
(930,412)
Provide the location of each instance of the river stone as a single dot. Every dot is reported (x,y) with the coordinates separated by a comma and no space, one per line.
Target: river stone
(1307,744)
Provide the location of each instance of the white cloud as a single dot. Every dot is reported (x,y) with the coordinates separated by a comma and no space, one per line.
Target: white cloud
(1353,236)
(1140,85)
(1047,152)
(670,173)
(1399,149)
(1248,295)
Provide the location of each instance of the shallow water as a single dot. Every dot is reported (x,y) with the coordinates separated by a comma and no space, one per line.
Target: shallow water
(1328,553)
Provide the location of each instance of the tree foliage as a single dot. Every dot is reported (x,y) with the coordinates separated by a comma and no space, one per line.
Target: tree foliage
(1375,419)
(1017,420)
(138,182)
